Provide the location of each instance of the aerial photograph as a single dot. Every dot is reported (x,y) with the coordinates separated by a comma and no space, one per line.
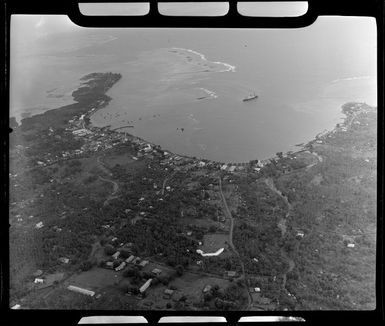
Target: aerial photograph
(193,169)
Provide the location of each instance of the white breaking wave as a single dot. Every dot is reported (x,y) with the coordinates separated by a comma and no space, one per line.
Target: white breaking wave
(228,66)
(208,92)
(192,51)
(351,78)
(217,253)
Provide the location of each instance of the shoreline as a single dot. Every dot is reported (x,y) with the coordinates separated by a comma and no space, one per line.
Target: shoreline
(100,104)
(156,158)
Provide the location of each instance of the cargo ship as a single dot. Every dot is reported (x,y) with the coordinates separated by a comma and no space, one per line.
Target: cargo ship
(251,97)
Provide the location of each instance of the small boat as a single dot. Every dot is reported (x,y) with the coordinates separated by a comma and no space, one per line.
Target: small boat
(251,97)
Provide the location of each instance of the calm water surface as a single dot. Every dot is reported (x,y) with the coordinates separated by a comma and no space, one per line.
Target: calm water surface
(183,89)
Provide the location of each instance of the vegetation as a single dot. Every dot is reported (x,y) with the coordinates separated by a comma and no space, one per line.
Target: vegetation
(327,192)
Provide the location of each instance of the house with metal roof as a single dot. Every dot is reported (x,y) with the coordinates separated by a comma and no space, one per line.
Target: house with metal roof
(145,286)
(143,263)
(80,290)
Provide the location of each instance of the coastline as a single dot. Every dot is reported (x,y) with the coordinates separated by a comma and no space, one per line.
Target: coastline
(93,143)
(87,104)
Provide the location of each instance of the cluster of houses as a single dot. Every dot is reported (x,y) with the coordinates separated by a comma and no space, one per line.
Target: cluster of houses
(231,168)
(103,138)
(137,261)
(96,139)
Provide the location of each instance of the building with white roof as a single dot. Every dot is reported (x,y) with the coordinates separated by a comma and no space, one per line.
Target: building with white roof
(116,255)
(130,259)
(232,168)
(120,267)
(81,290)
(145,286)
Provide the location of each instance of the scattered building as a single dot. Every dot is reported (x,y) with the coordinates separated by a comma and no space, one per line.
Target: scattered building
(130,259)
(110,264)
(350,245)
(143,263)
(168,293)
(145,286)
(120,267)
(207,288)
(231,273)
(81,290)
(147,148)
(64,260)
(81,132)
(156,271)
(116,255)
(16,306)
(39,225)
(38,281)
(232,168)
(257,290)
(300,234)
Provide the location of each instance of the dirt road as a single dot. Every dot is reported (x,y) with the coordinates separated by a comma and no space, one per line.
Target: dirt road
(115,186)
(282,226)
(230,217)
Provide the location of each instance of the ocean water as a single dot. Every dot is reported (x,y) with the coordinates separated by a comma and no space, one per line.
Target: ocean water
(183,89)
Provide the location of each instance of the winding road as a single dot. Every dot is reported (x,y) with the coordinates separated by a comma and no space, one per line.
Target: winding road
(115,186)
(230,217)
(282,226)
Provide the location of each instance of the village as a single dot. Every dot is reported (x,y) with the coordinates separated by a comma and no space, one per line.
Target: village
(120,259)
(149,284)
(125,224)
